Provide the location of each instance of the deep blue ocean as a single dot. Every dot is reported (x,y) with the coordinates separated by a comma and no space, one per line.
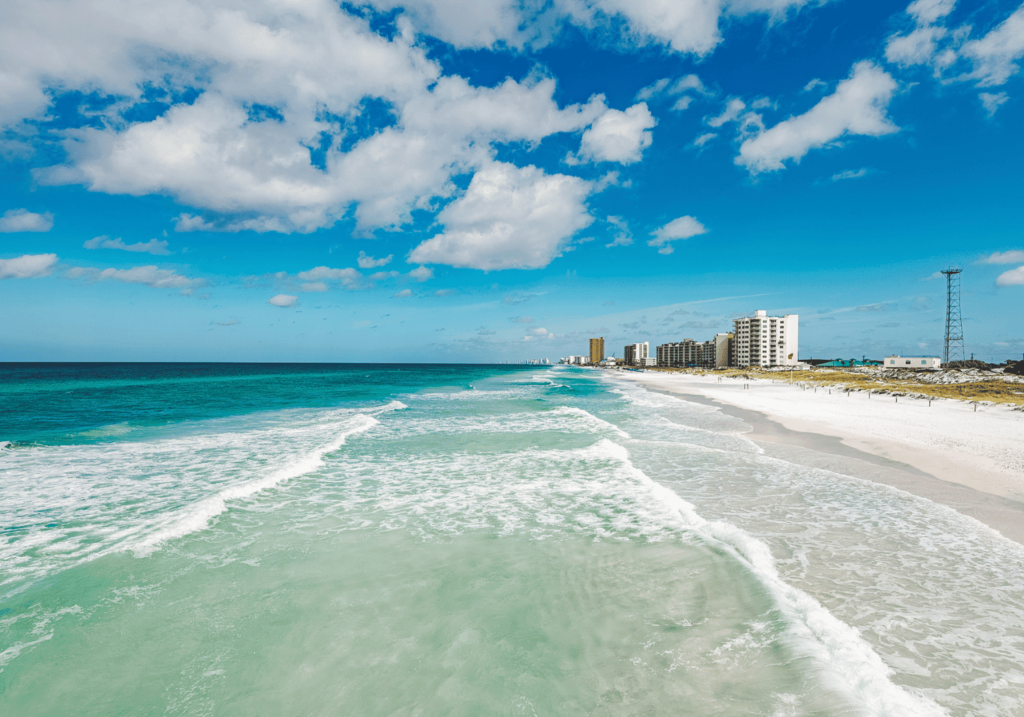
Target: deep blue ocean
(274,539)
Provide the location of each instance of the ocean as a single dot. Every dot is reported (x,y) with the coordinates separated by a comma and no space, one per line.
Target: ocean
(420,540)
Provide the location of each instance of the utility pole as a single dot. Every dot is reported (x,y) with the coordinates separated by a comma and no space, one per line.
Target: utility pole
(954,343)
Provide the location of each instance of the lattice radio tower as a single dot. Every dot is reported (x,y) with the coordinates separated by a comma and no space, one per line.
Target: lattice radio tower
(954,323)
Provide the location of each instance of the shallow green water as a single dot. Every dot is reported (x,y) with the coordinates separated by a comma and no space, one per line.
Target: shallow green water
(469,541)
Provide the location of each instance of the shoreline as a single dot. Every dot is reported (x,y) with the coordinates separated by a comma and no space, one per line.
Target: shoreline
(989,496)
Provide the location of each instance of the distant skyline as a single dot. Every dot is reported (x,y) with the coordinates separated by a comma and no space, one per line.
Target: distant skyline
(436,181)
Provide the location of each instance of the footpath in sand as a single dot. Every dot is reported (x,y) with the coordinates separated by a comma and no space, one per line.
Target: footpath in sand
(975,451)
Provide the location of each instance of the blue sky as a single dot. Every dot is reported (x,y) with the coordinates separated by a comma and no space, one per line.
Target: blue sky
(441,180)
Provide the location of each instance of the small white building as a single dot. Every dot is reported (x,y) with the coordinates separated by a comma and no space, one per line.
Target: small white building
(928,362)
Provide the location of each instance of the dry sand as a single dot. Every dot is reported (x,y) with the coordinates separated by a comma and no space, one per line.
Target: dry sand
(972,461)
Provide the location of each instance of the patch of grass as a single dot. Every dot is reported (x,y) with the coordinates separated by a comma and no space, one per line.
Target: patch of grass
(991,390)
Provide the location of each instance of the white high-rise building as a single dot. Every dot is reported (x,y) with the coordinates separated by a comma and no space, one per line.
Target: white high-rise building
(762,340)
(636,354)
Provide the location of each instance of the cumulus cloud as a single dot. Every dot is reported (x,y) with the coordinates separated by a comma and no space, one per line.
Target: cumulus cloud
(996,54)
(421,273)
(928,11)
(688,26)
(914,48)
(444,292)
(368,262)
(29,266)
(623,237)
(283,300)
(618,136)
(681,228)
(732,111)
(857,107)
(317,276)
(509,218)
(153,246)
(1013,256)
(402,294)
(1013,277)
(679,89)
(22,220)
(146,275)
(259,175)
(992,102)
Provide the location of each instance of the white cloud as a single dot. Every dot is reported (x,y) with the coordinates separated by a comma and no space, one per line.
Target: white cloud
(22,220)
(192,223)
(915,48)
(29,266)
(666,86)
(814,84)
(509,218)
(653,90)
(681,228)
(1013,277)
(731,112)
(704,139)
(618,136)
(403,293)
(996,54)
(992,102)
(444,292)
(928,11)
(421,273)
(146,275)
(153,246)
(1013,256)
(368,262)
(857,107)
(382,275)
(850,174)
(623,237)
(283,300)
(317,277)
(312,61)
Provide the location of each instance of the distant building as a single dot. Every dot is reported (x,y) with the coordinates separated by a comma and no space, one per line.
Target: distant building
(716,353)
(597,350)
(636,354)
(650,361)
(846,363)
(928,362)
(763,340)
(576,360)
(682,353)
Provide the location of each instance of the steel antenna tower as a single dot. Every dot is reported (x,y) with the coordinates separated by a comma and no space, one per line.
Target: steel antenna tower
(954,344)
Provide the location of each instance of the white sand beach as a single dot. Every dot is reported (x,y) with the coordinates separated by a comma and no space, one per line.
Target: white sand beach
(949,451)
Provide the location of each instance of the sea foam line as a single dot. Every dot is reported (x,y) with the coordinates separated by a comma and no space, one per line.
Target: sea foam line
(845,659)
(198,516)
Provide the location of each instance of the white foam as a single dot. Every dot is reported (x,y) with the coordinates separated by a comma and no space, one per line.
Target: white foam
(198,516)
(846,660)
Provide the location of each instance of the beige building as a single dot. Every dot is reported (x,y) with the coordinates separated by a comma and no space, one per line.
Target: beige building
(597,350)
(762,340)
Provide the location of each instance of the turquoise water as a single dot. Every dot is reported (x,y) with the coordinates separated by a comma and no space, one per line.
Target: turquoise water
(466,540)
